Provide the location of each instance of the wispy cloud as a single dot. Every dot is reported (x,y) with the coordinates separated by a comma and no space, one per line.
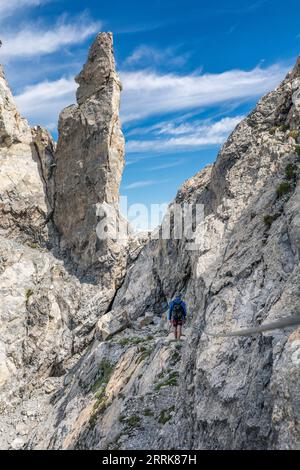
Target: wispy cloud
(164,166)
(240,9)
(10,7)
(256,5)
(208,128)
(138,28)
(190,135)
(148,93)
(144,56)
(35,40)
(42,103)
(144,183)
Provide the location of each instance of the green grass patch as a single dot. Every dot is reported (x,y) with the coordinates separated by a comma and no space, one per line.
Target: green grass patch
(106,370)
(281,128)
(93,420)
(294,134)
(28,294)
(134,341)
(290,171)
(32,244)
(165,415)
(99,407)
(175,357)
(161,374)
(100,403)
(133,421)
(148,412)
(297,150)
(144,354)
(269,219)
(284,127)
(131,341)
(283,188)
(100,393)
(171,380)
(130,422)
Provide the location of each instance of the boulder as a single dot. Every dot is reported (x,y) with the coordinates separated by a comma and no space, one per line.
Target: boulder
(111,323)
(147,319)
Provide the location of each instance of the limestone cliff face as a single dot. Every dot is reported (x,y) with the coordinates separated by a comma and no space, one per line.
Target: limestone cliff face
(13,129)
(232,393)
(89,157)
(24,205)
(92,365)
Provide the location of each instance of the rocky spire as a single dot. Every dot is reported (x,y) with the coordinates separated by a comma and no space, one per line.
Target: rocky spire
(24,205)
(99,68)
(90,155)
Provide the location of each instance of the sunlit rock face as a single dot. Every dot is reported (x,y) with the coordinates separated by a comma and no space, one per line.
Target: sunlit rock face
(89,157)
(24,204)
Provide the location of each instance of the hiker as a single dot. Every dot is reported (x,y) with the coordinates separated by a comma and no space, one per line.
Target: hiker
(177,315)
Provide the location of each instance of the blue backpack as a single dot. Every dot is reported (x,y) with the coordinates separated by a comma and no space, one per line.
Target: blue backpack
(177,312)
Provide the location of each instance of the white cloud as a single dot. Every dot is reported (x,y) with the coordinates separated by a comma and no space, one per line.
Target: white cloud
(204,127)
(145,94)
(145,55)
(144,52)
(42,103)
(144,183)
(164,166)
(9,7)
(178,143)
(35,40)
(190,136)
(180,123)
(148,93)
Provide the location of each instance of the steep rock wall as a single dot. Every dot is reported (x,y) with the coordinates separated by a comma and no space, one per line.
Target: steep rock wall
(209,393)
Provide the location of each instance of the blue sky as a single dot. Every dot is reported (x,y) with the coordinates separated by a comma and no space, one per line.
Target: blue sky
(190,69)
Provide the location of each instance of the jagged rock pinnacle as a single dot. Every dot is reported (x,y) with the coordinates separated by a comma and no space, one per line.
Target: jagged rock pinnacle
(99,68)
(90,154)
